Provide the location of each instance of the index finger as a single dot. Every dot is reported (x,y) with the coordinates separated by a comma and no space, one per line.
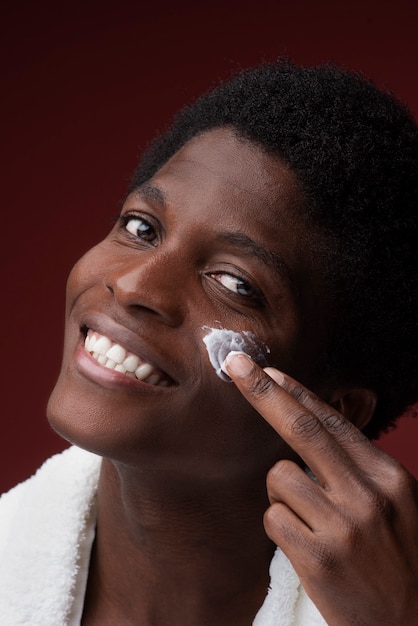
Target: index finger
(322,437)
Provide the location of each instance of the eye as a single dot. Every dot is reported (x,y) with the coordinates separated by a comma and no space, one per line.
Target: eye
(238,286)
(139,227)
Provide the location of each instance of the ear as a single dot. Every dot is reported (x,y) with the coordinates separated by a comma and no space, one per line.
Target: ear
(356,404)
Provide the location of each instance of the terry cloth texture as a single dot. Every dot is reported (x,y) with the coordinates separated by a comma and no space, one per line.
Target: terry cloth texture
(47,527)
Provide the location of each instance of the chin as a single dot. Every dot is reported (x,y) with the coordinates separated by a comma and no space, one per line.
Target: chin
(98,426)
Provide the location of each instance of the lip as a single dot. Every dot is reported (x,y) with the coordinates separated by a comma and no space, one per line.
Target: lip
(132,342)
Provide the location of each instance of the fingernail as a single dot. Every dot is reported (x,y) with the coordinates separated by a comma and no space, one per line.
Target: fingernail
(238,363)
(276,375)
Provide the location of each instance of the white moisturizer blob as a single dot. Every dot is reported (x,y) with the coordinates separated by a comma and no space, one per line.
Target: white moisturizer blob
(220,342)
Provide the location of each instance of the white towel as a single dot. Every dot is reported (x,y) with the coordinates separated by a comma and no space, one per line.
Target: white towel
(43,524)
(286,603)
(46,532)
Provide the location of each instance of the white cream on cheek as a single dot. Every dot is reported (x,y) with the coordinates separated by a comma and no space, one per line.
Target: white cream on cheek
(220,342)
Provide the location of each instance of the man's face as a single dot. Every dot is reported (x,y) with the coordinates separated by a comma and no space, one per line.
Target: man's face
(212,240)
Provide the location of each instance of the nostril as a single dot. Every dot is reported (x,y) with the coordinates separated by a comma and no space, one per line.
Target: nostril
(109,287)
(146,286)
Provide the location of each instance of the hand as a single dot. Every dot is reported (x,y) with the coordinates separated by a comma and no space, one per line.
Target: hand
(352,535)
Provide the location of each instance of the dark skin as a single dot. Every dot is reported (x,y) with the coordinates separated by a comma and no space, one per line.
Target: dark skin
(182,494)
(353,536)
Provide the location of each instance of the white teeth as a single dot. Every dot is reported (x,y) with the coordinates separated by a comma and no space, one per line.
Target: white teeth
(115,357)
(143,371)
(90,342)
(131,363)
(116,353)
(154,379)
(102,345)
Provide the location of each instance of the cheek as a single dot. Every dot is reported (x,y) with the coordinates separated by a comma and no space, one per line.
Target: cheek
(88,271)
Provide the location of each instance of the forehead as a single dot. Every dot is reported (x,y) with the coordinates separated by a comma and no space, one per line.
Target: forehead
(221,182)
(223,168)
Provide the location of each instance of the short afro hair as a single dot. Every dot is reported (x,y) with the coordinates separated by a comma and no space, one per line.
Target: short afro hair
(354,150)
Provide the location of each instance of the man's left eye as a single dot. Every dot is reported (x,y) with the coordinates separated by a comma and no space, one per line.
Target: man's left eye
(236,285)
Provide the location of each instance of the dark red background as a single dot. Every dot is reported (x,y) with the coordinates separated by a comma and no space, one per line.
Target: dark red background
(83,89)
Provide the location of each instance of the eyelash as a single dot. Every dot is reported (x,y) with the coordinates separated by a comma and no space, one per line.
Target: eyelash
(256,297)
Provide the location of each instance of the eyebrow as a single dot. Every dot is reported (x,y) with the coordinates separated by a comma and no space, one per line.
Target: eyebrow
(152,193)
(270,259)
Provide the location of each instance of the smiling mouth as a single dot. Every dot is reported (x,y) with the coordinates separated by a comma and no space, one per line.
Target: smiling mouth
(115,357)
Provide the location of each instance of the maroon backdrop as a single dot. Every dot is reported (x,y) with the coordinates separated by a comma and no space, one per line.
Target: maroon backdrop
(84,88)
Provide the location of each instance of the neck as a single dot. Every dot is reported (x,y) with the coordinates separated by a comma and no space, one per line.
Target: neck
(170,553)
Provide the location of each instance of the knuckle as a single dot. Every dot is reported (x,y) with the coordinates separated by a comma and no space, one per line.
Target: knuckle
(261,386)
(337,425)
(399,479)
(279,473)
(271,516)
(334,422)
(375,509)
(277,527)
(305,424)
(300,393)
(272,520)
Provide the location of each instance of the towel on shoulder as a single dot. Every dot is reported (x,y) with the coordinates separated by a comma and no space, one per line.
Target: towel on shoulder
(47,527)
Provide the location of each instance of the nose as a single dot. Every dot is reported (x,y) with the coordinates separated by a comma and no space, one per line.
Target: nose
(150,282)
